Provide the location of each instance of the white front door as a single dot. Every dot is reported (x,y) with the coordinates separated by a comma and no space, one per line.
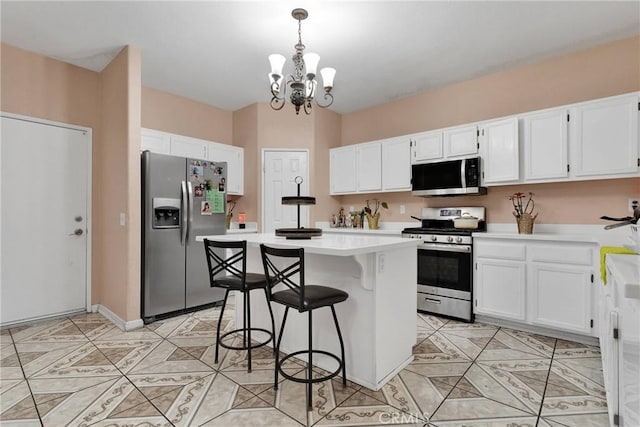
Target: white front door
(45,193)
(280,171)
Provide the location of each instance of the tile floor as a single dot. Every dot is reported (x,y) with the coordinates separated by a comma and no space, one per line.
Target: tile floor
(83,371)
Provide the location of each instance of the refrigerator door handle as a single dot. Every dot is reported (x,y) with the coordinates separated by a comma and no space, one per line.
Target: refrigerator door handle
(190,207)
(183,222)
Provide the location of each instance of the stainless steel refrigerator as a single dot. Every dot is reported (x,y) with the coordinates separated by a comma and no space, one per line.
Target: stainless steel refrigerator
(181,198)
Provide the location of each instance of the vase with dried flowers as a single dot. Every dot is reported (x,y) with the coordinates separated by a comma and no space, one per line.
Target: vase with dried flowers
(230,206)
(373,215)
(523,211)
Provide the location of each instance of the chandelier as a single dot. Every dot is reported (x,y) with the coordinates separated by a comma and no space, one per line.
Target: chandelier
(301,85)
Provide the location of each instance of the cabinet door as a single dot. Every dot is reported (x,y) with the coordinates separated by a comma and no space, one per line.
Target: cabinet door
(155,141)
(184,146)
(500,288)
(501,159)
(545,145)
(607,137)
(461,141)
(426,146)
(343,170)
(369,166)
(234,156)
(396,164)
(561,296)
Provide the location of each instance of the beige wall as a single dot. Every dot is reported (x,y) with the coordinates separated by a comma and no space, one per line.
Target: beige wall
(37,86)
(117,174)
(593,73)
(175,114)
(327,130)
(245,134)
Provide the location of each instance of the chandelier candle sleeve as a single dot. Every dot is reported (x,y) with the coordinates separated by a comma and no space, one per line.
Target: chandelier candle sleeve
(301,85)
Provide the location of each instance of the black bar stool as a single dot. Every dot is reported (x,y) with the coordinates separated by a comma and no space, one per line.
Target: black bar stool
(236,279)
(281,266)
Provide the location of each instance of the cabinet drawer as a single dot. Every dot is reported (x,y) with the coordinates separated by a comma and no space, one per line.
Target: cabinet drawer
(561,254)
(500,250)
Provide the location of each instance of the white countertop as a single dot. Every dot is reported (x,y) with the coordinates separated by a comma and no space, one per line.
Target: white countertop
(362,231)
(626,272)
(585,233)
(586,238)
(328,244)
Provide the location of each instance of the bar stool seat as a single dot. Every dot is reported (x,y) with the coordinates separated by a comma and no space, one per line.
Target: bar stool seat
(286,267)
(314,297)
(224,273)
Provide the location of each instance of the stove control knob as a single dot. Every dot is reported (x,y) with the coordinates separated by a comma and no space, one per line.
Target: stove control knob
(459,239)
(449,239)
(434,238)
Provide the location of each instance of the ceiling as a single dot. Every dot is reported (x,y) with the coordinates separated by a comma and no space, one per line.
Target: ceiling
(216,52)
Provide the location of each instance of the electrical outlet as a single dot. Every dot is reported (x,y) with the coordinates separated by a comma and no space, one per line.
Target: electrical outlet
(403,209)
(633,203)
(351,209)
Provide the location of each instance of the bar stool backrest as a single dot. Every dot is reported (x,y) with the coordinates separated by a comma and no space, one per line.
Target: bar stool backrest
(219,264)
(282,266)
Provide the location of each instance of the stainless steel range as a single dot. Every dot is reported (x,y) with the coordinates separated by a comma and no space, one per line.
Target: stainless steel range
(445,259)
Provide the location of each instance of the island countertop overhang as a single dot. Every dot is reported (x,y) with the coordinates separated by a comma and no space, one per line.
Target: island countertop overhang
(328,244)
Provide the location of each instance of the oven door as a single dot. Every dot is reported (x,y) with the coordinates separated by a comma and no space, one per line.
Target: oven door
(445,270)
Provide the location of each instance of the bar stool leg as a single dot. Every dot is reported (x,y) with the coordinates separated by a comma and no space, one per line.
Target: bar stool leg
(249,328)
(344,370)
(224,303)
(273,322)
(310,363)
(284,320)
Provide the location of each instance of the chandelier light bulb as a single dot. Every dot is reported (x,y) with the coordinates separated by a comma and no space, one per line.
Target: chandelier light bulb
(277,63)
(328,75)
(311,64)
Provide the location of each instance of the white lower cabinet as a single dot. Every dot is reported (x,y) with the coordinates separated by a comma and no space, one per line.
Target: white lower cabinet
(561,296)
(502,293)
(542,283)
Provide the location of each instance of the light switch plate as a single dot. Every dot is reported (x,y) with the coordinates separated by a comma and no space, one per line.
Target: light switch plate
(403,209)
(123,219)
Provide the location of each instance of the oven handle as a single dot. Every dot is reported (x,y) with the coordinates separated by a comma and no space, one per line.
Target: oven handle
(445,248)
(433,301)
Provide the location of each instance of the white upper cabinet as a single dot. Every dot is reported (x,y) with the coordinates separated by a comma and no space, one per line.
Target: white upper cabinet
(369,166)
(234,156)
(343,170)
(426,146)
(396,165)
(500,151)
(185,146)
(545,145)
(461,141)
(155,141)
(606,134)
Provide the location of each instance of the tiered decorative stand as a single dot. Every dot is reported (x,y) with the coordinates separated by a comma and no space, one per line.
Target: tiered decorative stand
(300,232)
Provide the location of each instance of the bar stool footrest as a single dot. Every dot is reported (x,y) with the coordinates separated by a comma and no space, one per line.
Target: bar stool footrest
(312,380)
(242,331)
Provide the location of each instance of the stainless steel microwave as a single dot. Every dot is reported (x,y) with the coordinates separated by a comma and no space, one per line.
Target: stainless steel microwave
(447,178)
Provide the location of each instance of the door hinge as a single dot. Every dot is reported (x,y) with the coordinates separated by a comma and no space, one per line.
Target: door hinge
(616,419)
(482,174)
(476,265)
(638,161)
(478,132)
(568,117)
(616,333)
(568,168)
(638,106)
(476,302)
(591,323)
(592,277)
(478,145)
(482,132)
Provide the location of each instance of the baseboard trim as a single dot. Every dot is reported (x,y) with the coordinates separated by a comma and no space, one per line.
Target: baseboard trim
(117,320)
(569,336)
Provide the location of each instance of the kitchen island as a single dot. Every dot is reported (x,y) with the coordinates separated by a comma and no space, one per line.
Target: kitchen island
(378,320)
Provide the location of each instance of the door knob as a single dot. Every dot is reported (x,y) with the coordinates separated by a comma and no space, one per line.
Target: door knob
(77,232)
(78,218)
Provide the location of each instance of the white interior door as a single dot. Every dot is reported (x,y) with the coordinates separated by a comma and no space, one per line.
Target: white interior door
(45,183)
(280,170)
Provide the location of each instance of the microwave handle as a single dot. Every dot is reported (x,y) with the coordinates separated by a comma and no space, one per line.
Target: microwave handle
(463,173)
